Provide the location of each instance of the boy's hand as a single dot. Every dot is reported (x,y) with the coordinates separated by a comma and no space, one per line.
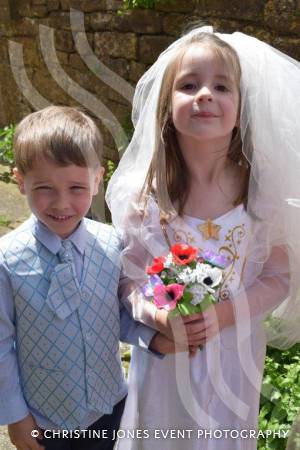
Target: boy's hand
(173,328)
(163,345)
(20,434)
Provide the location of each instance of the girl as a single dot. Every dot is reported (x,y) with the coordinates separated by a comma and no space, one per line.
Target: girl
(214,139)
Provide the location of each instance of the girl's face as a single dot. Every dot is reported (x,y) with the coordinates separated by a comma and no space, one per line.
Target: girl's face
(205,98)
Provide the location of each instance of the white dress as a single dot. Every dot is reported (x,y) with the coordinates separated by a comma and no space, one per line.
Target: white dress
(210,401)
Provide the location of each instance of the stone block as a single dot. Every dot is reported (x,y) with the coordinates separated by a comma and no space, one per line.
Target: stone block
(178,6)
(92,5)
(76,62)
(48,88)
(53,5)
(64,41)
(60,20)
(108,139)
(22,27)
(4,13)
(282,17)
(136,70)
(100,21)
(231,9)
(11,95)
(116,44)
(24,9)
(175,24)
(32,54)
(80,38)
(100,89)
(116,97)
(118,65)
(121,112)
(143,21)
(111,153)
(150,47)
(114,5)
(88,81)
(290,46)
(38,11)
(3,50)
(67,4)
(38,2)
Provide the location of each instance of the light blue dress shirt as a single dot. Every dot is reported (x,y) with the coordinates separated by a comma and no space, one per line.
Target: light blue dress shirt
(10,392)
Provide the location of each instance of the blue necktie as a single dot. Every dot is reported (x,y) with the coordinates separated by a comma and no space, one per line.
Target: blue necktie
(64,292)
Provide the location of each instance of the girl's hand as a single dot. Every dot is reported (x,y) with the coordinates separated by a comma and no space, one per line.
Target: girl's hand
(20,434)
(202,327)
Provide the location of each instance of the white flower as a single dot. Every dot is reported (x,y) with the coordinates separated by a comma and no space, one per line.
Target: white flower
(168,261)
(199,291)
(187,276)
(209,276)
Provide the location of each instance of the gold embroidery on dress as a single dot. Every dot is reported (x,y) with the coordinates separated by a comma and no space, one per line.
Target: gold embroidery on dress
(234,238)
(184,236)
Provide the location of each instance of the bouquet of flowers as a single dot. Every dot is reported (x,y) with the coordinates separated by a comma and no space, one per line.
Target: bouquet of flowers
(184,282)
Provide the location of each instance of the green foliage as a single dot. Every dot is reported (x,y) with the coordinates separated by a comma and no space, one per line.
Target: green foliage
(4,221)
(110,168)
(6,145)
(280,399)
(146,4)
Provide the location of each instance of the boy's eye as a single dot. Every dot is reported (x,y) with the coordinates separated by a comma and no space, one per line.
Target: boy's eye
(78,188)
(42,188)
(221,88)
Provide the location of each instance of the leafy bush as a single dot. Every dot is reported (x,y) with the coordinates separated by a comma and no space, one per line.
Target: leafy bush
(280,399)
(148,4)
(6,145)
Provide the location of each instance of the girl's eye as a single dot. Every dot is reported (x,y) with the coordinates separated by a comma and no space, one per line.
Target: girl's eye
(221,88)
(189,86)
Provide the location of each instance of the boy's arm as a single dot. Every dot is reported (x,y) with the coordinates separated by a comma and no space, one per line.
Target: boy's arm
(12,403)
(146,338)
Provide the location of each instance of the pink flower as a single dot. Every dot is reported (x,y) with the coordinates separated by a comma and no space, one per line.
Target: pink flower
(166,297)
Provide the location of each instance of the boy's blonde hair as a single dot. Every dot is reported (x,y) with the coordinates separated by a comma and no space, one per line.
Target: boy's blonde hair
(167,154)
(61,134)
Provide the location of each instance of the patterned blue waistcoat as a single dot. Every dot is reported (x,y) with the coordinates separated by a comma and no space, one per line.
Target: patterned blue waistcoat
(67,367)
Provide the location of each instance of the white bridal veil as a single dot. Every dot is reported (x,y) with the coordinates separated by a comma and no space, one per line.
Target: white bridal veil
(270,130)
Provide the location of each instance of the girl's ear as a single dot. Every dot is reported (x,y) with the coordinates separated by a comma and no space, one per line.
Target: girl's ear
(19,176)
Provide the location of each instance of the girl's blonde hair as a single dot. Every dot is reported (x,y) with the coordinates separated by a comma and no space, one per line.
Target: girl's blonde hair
(167,177)
(61,134)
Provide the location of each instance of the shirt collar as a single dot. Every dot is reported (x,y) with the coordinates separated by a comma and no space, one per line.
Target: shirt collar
(53,242)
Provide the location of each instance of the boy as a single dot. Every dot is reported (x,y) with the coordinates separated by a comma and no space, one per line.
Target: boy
(59,312)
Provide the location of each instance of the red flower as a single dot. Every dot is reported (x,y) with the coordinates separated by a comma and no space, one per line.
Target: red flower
(157,266)
(183,254)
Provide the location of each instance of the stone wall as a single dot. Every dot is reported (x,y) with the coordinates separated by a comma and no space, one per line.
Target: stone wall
(77,67)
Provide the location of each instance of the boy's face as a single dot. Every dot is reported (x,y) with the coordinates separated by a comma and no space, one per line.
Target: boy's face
(59,196)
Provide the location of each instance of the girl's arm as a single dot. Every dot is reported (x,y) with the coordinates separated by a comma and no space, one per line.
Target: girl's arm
(254,303)
(135,259)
